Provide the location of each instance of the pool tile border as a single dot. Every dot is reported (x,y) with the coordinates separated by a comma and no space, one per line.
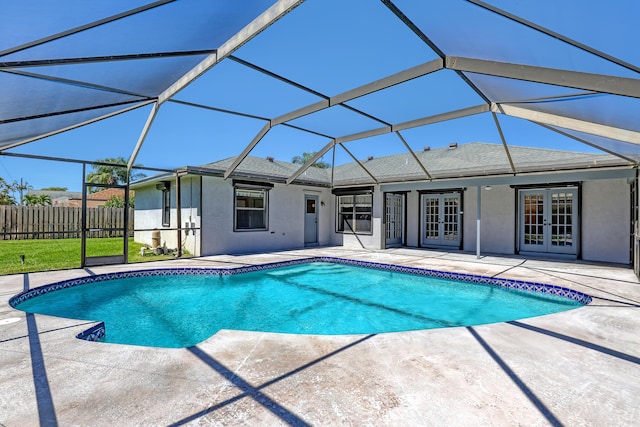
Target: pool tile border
(205,271)
(97,332)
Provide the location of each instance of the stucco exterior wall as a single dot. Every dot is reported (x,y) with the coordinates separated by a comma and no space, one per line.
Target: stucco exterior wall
(413,218)
(604,230)
(498,219)
(369,241)
(606,221)
(148,215)
(285,226)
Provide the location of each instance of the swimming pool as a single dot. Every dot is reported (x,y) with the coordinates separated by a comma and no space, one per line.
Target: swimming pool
(182,307)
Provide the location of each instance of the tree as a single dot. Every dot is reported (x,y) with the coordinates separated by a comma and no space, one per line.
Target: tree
(116,201)
(55,189)
(6,190)
(111,174)
(301,160)
(37,200)
(20,188)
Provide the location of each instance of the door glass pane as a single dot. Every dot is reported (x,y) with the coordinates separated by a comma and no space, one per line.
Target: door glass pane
(393,217)
(450,218)
(311,206)
(432,217)
(363,212)
(561,212)
(534,219)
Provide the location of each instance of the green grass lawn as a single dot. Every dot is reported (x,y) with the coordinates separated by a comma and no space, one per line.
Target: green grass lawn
(58,254)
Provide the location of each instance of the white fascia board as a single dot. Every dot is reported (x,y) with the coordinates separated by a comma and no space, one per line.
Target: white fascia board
(268,17)
(570,123)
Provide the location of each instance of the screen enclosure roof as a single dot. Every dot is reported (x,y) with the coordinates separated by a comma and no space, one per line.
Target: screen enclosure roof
(174,83)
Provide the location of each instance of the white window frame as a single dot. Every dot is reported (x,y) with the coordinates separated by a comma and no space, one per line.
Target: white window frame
(265,207)
(166,207)
(358,215)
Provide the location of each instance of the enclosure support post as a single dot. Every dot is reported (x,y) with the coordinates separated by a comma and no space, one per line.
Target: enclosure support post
(126,221)
(83,219)
(478,217)
(179,215)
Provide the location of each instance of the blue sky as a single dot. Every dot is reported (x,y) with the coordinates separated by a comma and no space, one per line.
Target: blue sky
(328,46)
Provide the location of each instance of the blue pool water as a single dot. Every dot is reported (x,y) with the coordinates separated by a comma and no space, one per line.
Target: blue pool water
(315,298)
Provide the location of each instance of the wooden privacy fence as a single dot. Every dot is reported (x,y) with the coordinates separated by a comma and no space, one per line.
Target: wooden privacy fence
(56,222)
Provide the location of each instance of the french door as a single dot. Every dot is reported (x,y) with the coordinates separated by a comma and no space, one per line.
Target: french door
(394,219)
(549,220)
(440,219)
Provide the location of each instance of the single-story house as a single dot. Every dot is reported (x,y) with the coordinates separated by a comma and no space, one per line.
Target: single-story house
(74,198)
(474,197)
(60,198)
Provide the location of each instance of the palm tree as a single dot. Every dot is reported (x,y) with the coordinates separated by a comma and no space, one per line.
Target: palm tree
(21,187)
(301,160)
(37,200)
(112,173)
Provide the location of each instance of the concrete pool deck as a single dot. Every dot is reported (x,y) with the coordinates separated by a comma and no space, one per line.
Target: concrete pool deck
(580,367)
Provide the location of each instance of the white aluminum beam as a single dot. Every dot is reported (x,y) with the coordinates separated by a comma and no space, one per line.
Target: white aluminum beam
(365,134)
(555,35)
(311,161)
(504,142)
(482,108)
(247,150)
(84,27)
(392,80)
(570,123)
(414,155)
(360,164)
(586,81)
(143,136)
(301,112)
(590,144)
(464,112)
(387,82)
(268,17)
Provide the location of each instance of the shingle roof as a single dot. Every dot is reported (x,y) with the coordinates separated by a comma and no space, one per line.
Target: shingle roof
(467,160)
(56,194)
(270,168)
(107,193)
